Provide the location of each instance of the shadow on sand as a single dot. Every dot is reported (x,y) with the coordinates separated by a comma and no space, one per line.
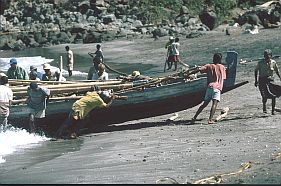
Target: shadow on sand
(136,126)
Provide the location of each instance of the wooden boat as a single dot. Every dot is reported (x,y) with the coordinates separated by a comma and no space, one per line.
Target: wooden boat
(158,97)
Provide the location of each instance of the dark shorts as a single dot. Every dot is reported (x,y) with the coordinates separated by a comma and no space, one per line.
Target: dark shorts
(268,89)
(173,58)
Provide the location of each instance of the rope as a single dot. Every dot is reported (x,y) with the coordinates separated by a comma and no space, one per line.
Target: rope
(113,70)
(212,179)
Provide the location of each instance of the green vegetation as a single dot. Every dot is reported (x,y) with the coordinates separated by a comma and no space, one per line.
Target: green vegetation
(157,11)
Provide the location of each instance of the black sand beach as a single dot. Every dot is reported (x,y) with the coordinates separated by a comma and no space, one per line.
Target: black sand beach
(148,150)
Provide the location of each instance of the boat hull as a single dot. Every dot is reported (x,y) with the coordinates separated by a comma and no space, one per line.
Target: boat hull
(140,104)
(166,98)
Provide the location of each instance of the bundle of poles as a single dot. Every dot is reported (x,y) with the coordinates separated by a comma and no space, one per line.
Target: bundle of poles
(71,90)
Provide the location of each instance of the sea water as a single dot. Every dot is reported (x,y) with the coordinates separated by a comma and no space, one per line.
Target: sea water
(26,61)
(14,139)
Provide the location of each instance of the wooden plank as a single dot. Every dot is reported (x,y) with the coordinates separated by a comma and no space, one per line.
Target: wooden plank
(73,85)
(223,114)
(72,90)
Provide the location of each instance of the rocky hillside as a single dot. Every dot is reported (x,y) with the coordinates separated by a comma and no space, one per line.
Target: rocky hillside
(38,23)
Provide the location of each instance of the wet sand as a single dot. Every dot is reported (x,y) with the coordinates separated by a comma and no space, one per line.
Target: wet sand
(144,151)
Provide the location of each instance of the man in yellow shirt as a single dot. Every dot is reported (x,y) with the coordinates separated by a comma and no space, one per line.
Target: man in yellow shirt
(81,108)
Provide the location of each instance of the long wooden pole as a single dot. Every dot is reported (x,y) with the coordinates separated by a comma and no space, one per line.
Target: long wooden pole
(61,66)
(73,90)
(64,98)
(74,85)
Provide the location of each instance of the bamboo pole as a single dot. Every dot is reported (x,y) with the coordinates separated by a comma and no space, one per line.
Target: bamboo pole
(64,98)
(61,66)
(24,82)
(73,90)
(149,84)
(74,85)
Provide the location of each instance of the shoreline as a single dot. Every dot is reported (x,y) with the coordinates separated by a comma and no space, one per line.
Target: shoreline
(144,151)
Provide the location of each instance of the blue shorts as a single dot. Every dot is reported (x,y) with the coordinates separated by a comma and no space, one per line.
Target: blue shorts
(212,93)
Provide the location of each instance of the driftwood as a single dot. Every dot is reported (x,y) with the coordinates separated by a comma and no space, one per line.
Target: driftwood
(223,114)
(172,118)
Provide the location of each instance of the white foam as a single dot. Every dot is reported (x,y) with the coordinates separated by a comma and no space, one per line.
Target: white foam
(14,139)
(37,61)
(26,62)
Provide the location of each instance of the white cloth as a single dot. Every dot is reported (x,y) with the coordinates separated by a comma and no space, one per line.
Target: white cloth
(104,76)
(6,95)
(70,60)
(175,48)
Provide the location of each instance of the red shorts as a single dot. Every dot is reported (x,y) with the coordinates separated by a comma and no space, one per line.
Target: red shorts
(173,58)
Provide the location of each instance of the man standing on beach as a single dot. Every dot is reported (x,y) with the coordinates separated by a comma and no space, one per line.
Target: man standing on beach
(263,78)
(175,53)
(37,103)
(6,97)
(216,74)
(169,58)
(97,56)
(70,60)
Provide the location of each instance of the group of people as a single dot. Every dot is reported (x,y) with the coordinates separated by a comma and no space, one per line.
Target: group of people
(17,72)
(173,53)
(216,74)
(97,71)
(36,101)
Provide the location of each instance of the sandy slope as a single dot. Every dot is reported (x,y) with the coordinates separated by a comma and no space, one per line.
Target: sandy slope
(154,149)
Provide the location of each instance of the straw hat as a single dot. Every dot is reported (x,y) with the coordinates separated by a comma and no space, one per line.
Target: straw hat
(135,73)
(46,66)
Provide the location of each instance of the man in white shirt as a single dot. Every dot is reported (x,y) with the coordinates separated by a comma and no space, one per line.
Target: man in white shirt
(70,61)
(100,75)
(6,97)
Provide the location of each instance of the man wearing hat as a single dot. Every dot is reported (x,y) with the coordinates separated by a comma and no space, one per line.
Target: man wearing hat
(36,102)
(33,71)
(48,75)
(264,77)
(16,72)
